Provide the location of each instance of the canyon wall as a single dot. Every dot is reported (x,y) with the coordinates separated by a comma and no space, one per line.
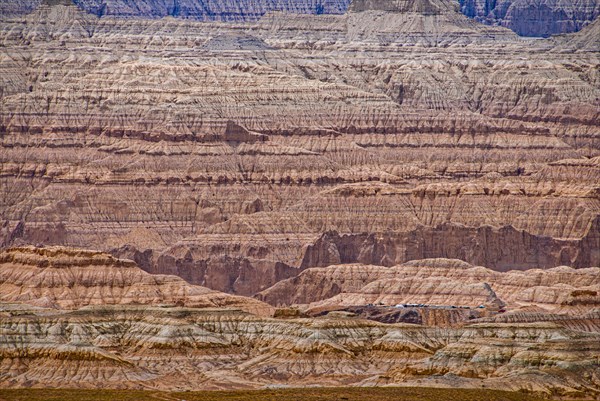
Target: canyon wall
(65,278)
(322,168)
(441,282)
(237,10)
(83,319)
(238,155)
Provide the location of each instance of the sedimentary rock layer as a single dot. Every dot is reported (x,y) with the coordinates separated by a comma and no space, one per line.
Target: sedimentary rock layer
(230,154)
(441,282)
(265,157)
(525,17)
(581,322)
(255,260)
(238,10)
(179,348)
(533,18)
(65,278)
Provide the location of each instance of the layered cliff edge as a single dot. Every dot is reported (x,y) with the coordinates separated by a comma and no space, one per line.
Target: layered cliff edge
(119,327)
(441,282)
(240,155)
(534,18)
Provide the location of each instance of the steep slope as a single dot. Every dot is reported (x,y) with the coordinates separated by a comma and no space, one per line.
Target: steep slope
(267,251)
(424,21)
(588,40)
(239,10)
(525,17)
(70,279)
(9,8)
(580,322)
(497,352)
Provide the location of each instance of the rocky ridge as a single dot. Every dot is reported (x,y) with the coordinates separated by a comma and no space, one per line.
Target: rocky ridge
(309,159)
(248,263)
(130,329)
(441,282)
(533,18)
(64,278)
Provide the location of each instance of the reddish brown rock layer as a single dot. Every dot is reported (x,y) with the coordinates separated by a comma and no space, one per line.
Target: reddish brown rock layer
(225,153)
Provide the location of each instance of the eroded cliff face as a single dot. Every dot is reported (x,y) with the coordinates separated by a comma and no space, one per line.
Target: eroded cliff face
(253,261)
(11,8)
(525,17)
(585,41)
(119,327)
(314,160)
(533,18)
(237,155)
(589,321)
(211,10)
(485,245)
(495,351)
(441,282)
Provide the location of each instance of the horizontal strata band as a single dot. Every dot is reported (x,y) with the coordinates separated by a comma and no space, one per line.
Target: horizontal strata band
(396,195)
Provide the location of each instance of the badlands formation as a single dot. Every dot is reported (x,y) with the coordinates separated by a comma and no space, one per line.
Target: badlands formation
(540,18)
(205,205)
(533,17)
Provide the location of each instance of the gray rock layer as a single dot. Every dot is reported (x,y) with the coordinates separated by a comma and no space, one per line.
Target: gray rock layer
(526,17)
(533,17)
(227,10)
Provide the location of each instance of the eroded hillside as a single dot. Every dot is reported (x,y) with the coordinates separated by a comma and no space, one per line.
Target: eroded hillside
(418,193)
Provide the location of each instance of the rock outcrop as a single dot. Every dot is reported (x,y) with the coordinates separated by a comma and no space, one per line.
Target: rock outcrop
(581,322)
(441,282)
(65,278)
(251,263)
(525,17)
(302,159)
(586,40)
(494,351)
(211,10)
(11,8)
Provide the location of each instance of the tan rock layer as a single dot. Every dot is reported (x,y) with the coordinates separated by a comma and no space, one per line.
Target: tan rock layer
(254,261)
(70,279)
(179,348)
(441,282)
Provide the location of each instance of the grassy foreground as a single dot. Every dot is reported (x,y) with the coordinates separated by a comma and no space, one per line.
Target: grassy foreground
(296,394)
